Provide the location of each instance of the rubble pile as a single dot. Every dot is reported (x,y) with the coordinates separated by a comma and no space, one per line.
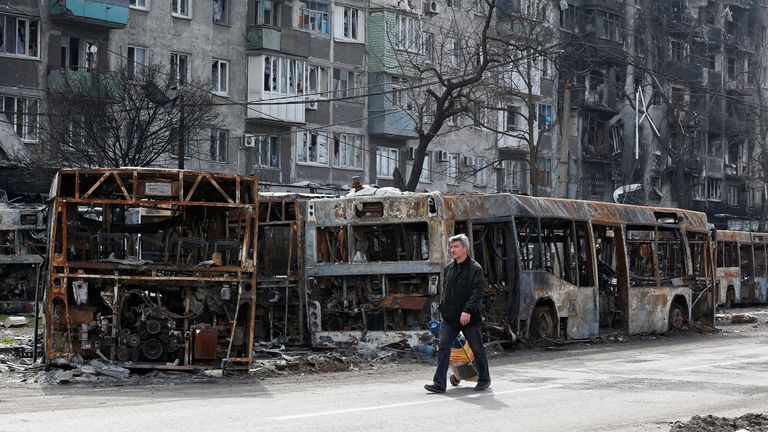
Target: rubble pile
(274,361)
(709,423)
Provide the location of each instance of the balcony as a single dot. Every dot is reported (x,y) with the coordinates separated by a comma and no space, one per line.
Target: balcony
(715,166)
(263,38)
(385,119)
(292,111)
(682,23)
(684,71)
(287,41)
(391,123)
(511,145)
(743,4)
(103,14)
(607,5)
(59,79)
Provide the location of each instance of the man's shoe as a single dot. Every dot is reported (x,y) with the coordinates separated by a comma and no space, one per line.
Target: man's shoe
(432,388)
(482,386)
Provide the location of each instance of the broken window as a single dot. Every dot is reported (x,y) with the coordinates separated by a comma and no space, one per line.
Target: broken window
(640,255)
(746,260)
(529,243)
(760,257)
(670,254)
(697,242)
(560,247)
(566,250)
(369,243)
(727,254)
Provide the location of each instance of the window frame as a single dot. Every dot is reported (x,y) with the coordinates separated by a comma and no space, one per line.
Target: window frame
(133,71)
(389,154)
(174,71)
(176,9)
(226,15)
(304,139)
(216,156)
(30,131)
(273,143)
(355,17)
(136,7)
(259,9)
(357,145)
(408,33)
(306,14)
(453,173)
(426,169)
(217,89)
(13,40)
(354,91)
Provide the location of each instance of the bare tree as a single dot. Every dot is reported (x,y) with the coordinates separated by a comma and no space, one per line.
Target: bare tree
(528,49)
(472,63)
(439,73)
(131,117)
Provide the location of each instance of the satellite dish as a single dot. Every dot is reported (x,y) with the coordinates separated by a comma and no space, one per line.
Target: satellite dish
(92,48)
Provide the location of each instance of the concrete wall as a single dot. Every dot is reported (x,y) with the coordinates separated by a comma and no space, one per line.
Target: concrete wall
(161,33)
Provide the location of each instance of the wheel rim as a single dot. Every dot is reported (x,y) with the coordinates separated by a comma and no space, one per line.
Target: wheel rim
(677,318)
(543,325)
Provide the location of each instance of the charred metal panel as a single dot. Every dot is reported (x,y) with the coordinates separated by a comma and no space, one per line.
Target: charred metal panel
(22,252)
(650,307)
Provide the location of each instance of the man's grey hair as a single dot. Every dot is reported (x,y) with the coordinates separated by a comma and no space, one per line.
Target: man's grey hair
(461,238)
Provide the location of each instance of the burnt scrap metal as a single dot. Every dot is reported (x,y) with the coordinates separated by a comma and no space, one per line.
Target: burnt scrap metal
(280,301)
(556,269)
(22,253)
(157,268)
(153,267)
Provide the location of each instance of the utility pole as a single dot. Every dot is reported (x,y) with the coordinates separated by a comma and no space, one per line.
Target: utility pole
(564,142)
(182,134)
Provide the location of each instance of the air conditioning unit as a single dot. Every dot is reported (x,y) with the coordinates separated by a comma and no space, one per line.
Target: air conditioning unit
(434,7)
(470,161)
(412,153)
(311,103)
(249,141)
(442,156)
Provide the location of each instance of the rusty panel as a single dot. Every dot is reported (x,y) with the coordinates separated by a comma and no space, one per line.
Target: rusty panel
(397,301)
(206,344)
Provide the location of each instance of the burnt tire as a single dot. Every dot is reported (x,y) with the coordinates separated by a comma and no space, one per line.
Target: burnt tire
(730,298)
(543,324)
(677,317)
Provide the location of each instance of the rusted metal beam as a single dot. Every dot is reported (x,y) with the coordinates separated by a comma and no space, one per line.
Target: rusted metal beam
(96,185)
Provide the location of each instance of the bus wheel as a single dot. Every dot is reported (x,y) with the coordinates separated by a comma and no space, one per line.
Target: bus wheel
(677,318)
(543,324)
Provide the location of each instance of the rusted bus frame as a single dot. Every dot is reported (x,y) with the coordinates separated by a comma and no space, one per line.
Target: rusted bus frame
(136,175)
(733,286)
(398,209)
(60,268)
(616,215)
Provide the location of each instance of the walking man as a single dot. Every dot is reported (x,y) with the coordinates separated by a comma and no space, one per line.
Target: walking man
(461,309)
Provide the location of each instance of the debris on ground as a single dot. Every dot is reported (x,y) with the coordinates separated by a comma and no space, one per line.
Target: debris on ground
(15,321)
(709,423)
(743,319)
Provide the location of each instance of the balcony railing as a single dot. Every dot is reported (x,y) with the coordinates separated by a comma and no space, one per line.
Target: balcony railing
(104,14)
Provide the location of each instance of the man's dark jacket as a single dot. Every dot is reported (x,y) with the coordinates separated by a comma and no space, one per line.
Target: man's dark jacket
(463,291)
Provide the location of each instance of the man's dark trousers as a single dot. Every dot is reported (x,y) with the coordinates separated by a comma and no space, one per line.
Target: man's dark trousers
(448,333)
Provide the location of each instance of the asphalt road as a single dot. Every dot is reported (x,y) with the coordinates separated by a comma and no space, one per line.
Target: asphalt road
(639,386)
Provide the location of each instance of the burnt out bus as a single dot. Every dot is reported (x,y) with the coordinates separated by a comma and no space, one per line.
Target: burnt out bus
(741,268)
(153,268)
(556,269)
